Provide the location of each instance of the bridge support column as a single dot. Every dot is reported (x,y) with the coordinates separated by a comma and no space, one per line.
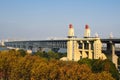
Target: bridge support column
(70,50)
(34,49)
(84,55)
(114,56)
(90,51)
(98,50)
(109,51)
(76,51)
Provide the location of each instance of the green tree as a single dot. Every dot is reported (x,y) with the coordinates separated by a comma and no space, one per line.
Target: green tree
(105,65)
(50,55)
(87,61)
(22,52)
(41,54)
(98,66)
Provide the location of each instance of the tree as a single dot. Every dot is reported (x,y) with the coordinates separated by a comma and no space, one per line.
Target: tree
(22,52)
(87,61)
(105,65)
(98,66)
(13,66)
(50,55)
(101,76)
(39,70)
(21,70)
(7,59)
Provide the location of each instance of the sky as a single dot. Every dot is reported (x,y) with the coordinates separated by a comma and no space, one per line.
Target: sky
(45,19)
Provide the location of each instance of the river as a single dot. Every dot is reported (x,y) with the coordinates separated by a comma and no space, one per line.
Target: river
(3,48)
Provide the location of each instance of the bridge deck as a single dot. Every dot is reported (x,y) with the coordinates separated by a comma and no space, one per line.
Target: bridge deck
(52,43)
(110,40)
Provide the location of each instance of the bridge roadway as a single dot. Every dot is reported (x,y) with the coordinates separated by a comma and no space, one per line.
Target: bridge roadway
(28,45)
(114,40)
(61,43)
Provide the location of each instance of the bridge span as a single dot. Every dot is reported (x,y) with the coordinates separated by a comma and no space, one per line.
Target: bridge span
(37,43)
(77,48)
(56,44)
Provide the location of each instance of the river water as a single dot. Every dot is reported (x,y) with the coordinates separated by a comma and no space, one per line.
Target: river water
(3,48)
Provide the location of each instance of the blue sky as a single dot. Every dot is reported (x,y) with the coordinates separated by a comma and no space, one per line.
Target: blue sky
(41,19)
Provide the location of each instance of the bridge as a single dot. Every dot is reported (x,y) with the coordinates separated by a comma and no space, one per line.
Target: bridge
(77,48)
(55,45)
(108,43)
(36,45)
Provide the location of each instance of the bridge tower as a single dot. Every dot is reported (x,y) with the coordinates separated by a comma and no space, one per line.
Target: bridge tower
(87,31)
(87,47)
(70,44)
